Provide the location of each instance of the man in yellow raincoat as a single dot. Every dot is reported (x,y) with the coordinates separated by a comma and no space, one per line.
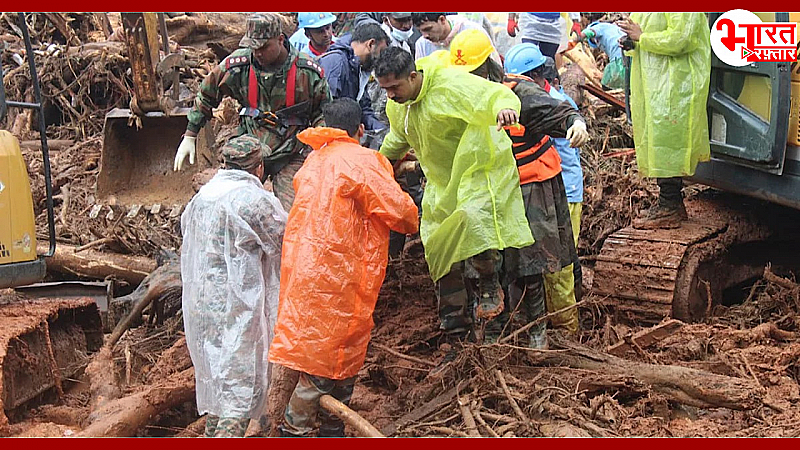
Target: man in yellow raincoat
(472,207)
(335,251)
(670,70)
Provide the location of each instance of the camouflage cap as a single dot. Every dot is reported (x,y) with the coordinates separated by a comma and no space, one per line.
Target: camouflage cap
(242,152)
(260,28)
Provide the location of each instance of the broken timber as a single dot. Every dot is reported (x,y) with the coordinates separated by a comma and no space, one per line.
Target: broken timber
(646,337)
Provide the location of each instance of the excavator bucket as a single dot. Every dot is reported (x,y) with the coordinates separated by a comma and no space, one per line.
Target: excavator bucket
(136,162)
(43,342)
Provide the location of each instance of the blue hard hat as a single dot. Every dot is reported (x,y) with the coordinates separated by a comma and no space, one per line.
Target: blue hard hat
(314,19)
(522,58)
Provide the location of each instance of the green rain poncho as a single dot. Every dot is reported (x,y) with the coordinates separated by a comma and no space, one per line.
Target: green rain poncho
(472,199)
(670,70)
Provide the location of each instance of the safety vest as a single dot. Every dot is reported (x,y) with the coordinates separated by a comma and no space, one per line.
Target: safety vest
(537,157)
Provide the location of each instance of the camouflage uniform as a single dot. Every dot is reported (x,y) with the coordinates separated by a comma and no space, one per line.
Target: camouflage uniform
(225,426)
(285,154)
(304,406)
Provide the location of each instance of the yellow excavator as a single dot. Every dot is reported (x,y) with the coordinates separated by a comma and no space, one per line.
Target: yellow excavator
(43,341)
(750,219)
(139,142)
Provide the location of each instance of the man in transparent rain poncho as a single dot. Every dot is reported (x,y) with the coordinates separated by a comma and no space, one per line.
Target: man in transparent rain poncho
(230,268)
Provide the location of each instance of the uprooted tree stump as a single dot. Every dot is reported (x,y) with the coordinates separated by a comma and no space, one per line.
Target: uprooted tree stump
(123,416)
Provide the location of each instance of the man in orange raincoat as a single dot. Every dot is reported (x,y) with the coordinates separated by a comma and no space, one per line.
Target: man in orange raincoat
(335,250)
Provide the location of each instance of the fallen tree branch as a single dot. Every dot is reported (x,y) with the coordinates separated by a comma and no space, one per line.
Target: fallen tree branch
(780,281)
(122,417)
(165,280)
(403,356)
(681,384)
(547,316)
(466,414)
(511,400)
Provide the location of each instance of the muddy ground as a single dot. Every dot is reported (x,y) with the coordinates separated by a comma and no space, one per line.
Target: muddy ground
(752,341)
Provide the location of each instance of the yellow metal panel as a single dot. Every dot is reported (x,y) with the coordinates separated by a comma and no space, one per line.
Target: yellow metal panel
(17,226)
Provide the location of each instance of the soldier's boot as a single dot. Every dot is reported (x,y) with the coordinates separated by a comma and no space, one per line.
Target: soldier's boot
(451,295)
(534,307)
(670,211)
(662,216)
(490,302)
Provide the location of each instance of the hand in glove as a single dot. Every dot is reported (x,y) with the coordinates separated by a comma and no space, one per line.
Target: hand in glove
(187,147)
(576,28)
(577,134)
(512,27)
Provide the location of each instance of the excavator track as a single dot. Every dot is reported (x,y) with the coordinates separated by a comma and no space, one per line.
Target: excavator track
(641,269)
(42,343)
(648,275)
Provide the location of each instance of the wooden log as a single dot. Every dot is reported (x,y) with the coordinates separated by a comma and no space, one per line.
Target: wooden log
(579,57)
(122,417)
(681,384)
(97,265)
(52,144)
(646,337)
(348,416)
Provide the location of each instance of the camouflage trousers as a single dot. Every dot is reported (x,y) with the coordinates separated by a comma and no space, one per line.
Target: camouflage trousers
(282,181)
(458,291)
(303,407)
(225,426)
(524,303)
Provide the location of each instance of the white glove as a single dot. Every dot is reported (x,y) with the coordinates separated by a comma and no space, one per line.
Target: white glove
(187,147)
(577,134)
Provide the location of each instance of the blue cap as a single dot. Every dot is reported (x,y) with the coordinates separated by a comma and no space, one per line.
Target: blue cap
(314,19)
(522,58)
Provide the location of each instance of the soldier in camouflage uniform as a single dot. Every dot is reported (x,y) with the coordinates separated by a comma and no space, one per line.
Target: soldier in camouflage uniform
(230,268)
(260,76)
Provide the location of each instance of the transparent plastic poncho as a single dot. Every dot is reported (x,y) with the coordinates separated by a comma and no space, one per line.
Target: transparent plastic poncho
(230,268)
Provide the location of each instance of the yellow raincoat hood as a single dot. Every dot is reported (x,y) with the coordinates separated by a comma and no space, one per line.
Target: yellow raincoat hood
(472,200)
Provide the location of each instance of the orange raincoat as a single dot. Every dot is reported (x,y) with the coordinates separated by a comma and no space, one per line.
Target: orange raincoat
(335,250)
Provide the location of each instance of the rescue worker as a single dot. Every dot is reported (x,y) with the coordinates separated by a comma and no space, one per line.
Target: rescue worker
(538,162)
(281,90)
(230,271)
(472,207)
(563,288)
(333,265)
(398,26)
(314,34)
(438,30)
(348,65)
(670,74)
(606,36)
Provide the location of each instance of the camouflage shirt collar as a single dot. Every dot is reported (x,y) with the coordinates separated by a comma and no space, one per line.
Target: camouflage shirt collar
(292,54)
